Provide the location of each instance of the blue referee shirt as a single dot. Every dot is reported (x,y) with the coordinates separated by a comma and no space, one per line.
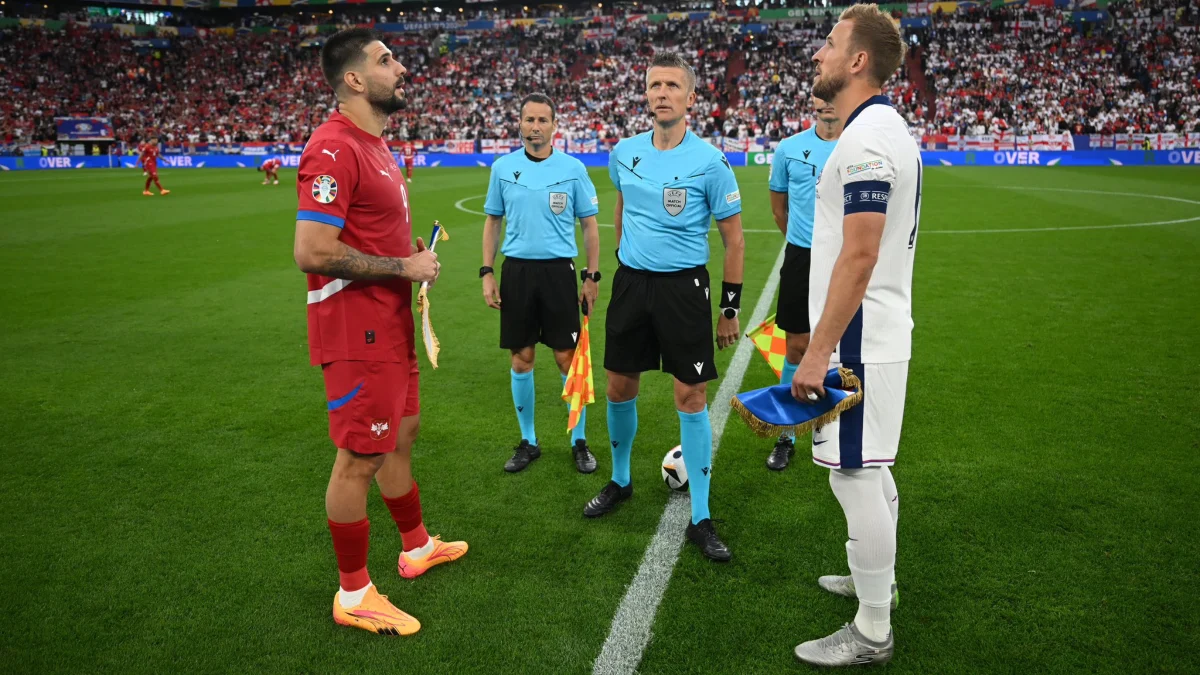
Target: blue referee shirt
(797,164)
(540,200)
(670,200)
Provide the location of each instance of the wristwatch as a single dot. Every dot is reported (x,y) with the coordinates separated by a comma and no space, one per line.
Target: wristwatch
(484,271)
(584,276)
(730,312)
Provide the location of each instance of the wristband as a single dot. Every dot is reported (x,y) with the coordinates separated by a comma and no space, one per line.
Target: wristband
(731,295)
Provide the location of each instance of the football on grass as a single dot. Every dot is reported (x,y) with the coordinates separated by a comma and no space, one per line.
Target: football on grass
(673,471)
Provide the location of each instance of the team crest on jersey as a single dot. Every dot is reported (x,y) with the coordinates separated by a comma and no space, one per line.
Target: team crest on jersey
(380,429)
(324,189)
(558,202)
(674,199)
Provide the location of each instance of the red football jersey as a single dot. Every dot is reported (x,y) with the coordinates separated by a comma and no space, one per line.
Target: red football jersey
(149,157)
(409,150)
(271,164)
(348,179)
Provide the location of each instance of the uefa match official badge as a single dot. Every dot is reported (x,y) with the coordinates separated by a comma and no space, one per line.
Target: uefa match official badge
(324,189)
(674,200)
(558,202)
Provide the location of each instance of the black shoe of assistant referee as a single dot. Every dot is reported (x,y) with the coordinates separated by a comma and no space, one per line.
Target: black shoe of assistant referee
(782,454)
(704,535)
(523,454)
(585,461)
(611,495)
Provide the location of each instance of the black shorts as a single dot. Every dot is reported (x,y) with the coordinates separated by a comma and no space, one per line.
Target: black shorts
(539,302)
(661,320)
(791,314)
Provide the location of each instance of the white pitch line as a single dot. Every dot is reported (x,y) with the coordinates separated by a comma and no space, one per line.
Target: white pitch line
(1119,226)
(630,631)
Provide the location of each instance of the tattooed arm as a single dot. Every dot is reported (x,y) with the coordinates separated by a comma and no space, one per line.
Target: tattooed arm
(319,251)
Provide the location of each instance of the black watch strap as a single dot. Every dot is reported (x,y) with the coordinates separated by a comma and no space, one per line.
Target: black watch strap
(485,270)
(584,275)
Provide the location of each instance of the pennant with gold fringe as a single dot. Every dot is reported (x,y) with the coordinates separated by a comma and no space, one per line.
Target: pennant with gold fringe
(771,342)
(432,346)
(772,411)
(579,389)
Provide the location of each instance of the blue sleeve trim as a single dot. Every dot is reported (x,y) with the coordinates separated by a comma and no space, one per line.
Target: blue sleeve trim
(728,214)
(492,212)
(321,218)
(587,214)
(866,196)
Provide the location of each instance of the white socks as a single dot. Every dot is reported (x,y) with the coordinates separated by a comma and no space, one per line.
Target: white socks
(422,551)
(871,549)
(351,599)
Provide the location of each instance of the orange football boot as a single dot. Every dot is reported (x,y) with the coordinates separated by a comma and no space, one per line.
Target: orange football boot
(375,614)
(411,568)
(165,192)
(148,193)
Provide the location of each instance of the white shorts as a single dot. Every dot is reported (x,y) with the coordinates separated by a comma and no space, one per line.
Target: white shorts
(869,433)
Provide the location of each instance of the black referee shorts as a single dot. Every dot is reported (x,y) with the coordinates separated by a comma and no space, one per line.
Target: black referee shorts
(539,302)
(661,320)
(791,314)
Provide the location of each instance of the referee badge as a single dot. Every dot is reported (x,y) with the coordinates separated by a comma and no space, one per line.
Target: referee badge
(324,189)
(674,199)
(558,202)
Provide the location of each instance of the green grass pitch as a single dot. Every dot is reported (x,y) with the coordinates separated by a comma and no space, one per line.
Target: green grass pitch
(164,452)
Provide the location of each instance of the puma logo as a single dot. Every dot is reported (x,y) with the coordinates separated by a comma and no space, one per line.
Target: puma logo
(517,175)
(331,154)
(384,173)
(635,161)
(699,366)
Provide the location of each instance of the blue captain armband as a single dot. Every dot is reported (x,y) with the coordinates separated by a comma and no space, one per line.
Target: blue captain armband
(866,196)
(321,218)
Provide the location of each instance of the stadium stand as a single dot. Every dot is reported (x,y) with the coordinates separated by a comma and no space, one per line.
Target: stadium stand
(1025,69)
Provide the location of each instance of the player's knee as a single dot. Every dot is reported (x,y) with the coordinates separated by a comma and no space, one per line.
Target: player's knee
(621,388)
(522,360)
(690,399)
(797,345)
(356,466)
(563,359)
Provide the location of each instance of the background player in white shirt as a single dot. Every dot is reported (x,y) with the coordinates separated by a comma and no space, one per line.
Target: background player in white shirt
(864,238)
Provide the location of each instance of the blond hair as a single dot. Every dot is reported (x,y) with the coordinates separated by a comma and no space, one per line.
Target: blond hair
(876,34)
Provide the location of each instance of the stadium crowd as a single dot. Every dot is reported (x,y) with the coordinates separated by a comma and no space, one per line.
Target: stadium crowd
(1025,69)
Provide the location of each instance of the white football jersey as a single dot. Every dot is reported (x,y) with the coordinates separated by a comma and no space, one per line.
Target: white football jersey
(876,167)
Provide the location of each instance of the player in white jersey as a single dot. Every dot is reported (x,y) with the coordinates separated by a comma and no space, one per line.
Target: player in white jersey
(860,298)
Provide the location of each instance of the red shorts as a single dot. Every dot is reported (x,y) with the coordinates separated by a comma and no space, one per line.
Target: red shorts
(408,162)
(367,400)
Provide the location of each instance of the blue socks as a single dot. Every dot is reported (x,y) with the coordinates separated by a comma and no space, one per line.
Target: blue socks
(579,433)
(789,371)
(622,427)
(695,434)
(522,393)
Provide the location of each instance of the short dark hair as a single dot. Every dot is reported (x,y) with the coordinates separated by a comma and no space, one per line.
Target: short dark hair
(673,60)
(343,51)
(538,97)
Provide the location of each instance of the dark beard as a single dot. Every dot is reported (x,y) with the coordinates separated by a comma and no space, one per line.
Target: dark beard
(385,101)
(828,87)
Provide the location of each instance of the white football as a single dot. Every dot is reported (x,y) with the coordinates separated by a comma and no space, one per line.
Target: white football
(674,472)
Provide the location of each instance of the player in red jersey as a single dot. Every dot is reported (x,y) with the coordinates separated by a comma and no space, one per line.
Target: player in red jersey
(409,153)
(271,168)
(149,161)
(353,239)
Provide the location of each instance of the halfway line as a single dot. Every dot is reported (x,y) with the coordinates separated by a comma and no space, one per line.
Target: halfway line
(630,631)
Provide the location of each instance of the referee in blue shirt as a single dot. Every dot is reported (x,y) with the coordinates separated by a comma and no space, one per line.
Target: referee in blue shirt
(670,186)
(795,168)
(540,193)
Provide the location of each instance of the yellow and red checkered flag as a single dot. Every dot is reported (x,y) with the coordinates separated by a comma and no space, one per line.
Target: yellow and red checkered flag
(579,389)
(771,342)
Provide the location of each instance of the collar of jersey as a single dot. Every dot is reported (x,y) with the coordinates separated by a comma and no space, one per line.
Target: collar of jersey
(874,100)
(342,119)
(687,134)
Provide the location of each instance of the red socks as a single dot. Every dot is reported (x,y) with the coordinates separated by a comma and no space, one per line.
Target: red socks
(350,542)
(406,511)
